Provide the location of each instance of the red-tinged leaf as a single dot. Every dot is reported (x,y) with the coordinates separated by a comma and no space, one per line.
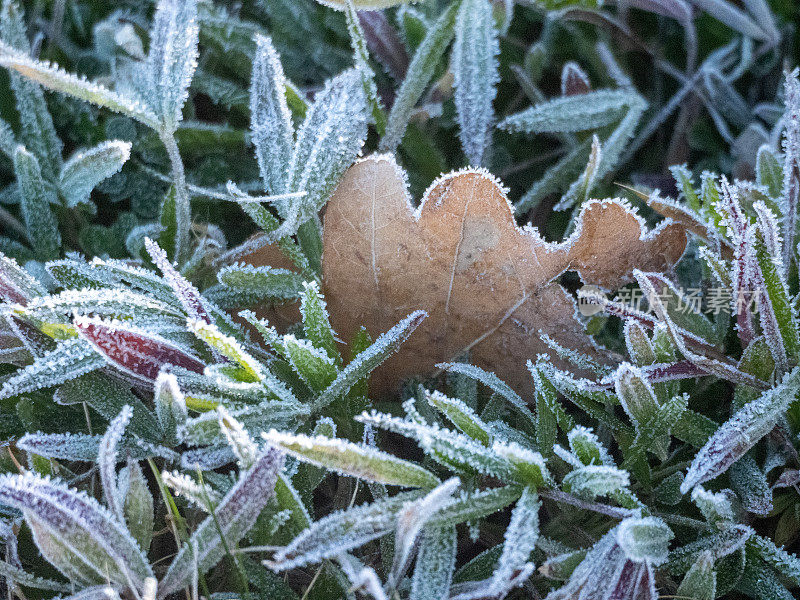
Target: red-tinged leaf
(134,351)
(9,292)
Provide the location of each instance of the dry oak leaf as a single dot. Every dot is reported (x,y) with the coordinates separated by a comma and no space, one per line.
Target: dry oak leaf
(488,285)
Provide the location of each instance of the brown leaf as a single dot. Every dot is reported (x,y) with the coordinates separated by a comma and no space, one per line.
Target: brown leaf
(487,284)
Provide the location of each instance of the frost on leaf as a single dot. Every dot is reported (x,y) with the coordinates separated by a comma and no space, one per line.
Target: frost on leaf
(84,170)
(107,460)
(136,352)
(513,568)
(486,283)
(742,431)
(68,360)
(475,72)
(16,284)
(188,295)
(340,532)
(239,440)
(233,517)
(356,460)
(270,120)
(410,521)
(621,564)
(75,533)
(172,58)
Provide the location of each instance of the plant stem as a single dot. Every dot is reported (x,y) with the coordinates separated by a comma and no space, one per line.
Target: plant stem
(212,510)
(183,207)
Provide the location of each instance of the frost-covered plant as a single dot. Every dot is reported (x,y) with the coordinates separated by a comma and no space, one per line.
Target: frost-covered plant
(189,405)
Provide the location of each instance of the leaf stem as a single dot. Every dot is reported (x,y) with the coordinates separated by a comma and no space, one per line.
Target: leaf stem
(183,207)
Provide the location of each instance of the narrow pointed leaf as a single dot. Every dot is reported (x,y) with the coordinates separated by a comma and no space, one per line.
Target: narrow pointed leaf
(740,433)
(354,460)
(270,119)
(234,515)
(107,461)
(36,198)
(386,344)
(77,535)
(172,58)
(54,78)
(420,71)
(476,73)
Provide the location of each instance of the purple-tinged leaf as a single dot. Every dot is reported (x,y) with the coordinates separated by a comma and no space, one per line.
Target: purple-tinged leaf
(188,295)
(574,80)
(789,478)
(132,350)
(107,460)
(75,533)
(16,285)
(742,279)
(384,43)
(235,515)
(719,367)
(84,447)
(646,320)
(661,372)
(742,431)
